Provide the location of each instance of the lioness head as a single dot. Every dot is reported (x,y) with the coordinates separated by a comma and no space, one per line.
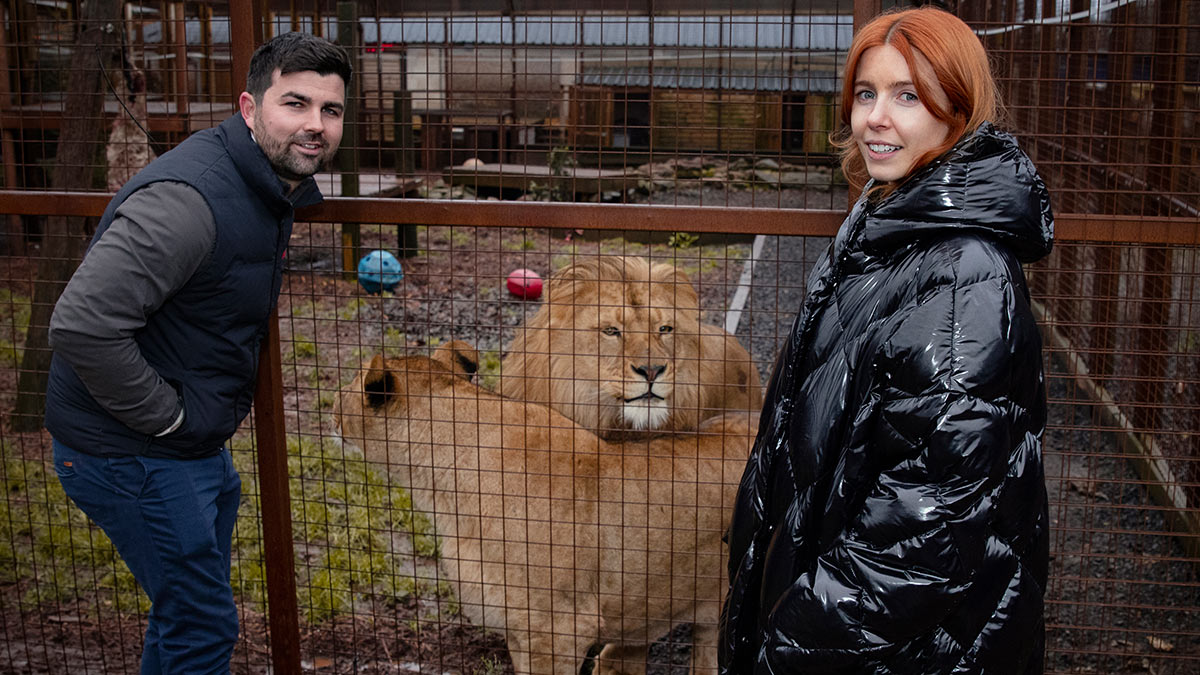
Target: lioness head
(384,385)
(614,346)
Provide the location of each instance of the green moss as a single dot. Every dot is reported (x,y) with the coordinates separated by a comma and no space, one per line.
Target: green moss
(50,546)
(461,238)
(490,666)
(14,322)
(352,309)
(303,348)
(304,308)
(682,240)
(395,342)
(565,258)
(489,370)
(346,512)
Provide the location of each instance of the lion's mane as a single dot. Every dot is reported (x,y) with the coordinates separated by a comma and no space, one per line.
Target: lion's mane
(608,327)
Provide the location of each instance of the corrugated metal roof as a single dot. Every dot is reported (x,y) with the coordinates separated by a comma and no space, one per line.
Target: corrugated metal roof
(699,78)
(767,32)
(774,32)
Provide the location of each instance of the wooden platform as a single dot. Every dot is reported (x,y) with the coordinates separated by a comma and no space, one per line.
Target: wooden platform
(165,116)
(580,181)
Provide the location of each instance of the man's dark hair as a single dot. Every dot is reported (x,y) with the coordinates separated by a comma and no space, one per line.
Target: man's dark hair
(293,53)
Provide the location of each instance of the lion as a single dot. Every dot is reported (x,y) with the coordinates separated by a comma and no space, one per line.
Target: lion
(552,536)
(618,346)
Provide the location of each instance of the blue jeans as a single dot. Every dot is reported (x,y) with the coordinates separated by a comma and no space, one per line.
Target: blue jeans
(172,522)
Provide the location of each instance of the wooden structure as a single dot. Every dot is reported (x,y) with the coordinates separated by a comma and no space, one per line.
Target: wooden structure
(434,89)
(580,181)
(700,120)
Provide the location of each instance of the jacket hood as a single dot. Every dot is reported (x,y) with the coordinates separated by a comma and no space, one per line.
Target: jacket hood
(985,185)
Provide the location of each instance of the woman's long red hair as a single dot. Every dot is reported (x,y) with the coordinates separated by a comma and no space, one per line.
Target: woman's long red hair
(959,63)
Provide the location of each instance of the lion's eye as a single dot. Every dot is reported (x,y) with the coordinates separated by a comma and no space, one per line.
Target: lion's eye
(666,329)
(611,331)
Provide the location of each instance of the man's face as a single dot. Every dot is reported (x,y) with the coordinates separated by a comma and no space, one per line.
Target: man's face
(298,123)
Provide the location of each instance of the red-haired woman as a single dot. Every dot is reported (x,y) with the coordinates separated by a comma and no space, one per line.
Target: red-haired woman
(892,517)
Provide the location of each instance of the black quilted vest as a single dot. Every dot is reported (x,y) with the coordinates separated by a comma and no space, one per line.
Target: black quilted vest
(205,339)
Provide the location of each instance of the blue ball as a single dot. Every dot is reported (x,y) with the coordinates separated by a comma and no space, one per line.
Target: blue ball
(379,271)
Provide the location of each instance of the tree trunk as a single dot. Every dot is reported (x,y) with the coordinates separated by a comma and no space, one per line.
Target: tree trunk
(74,167)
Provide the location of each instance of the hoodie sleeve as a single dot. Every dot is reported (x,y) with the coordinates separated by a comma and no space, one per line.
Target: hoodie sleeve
(160,235)
(954,381)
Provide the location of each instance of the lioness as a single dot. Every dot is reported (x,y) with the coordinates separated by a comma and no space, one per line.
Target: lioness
(618,345)
(551,535)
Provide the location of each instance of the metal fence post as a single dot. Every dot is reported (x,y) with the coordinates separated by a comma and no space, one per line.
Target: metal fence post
(246,21)
(271,440)
(347,159)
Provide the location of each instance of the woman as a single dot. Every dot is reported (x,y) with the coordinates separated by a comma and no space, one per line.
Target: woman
(892,517)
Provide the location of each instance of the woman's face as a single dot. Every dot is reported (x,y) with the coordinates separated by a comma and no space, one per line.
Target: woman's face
(890,124)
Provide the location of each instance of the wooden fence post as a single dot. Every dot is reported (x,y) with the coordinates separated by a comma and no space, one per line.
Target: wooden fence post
(247,23)
(347,37)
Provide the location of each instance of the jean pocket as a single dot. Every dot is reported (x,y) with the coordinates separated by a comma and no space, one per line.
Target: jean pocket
(125,475)
(64,461)
(65,470)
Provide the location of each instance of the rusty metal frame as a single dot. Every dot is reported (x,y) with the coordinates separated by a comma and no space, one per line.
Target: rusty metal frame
(1069,227)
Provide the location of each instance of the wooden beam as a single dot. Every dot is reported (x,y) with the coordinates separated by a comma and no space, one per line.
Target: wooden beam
(1069,227)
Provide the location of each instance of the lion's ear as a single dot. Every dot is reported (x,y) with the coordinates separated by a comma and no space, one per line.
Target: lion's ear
(685,293)
(666,273)
(561,286)
(459,357)
(379,384)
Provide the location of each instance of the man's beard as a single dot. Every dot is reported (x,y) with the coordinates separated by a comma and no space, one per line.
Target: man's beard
(287,164)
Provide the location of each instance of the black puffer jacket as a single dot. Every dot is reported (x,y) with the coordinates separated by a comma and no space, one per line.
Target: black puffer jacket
(892,517)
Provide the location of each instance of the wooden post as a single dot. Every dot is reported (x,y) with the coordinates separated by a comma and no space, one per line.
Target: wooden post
(347,37)
(246,34)
(402,133)
(246,26)
(178,23)
(275,499)
(16,228)
(864,11)
(98,43)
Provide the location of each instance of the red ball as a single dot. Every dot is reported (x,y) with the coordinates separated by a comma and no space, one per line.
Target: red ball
(525,284)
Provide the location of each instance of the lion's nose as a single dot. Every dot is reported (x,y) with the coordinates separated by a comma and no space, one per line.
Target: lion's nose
(649,372)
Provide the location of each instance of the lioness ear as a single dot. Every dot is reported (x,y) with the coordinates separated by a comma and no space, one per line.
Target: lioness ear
(459,357)
(379,384)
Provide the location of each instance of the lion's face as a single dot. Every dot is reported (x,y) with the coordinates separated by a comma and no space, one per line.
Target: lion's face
(614,347)
(624,359)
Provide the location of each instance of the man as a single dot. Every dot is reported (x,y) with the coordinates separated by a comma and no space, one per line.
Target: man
(157,335)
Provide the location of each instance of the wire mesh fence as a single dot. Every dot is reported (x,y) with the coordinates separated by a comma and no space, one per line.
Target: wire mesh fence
(484,139)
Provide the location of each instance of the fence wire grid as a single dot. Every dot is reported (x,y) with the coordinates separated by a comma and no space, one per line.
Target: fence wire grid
(486,138)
